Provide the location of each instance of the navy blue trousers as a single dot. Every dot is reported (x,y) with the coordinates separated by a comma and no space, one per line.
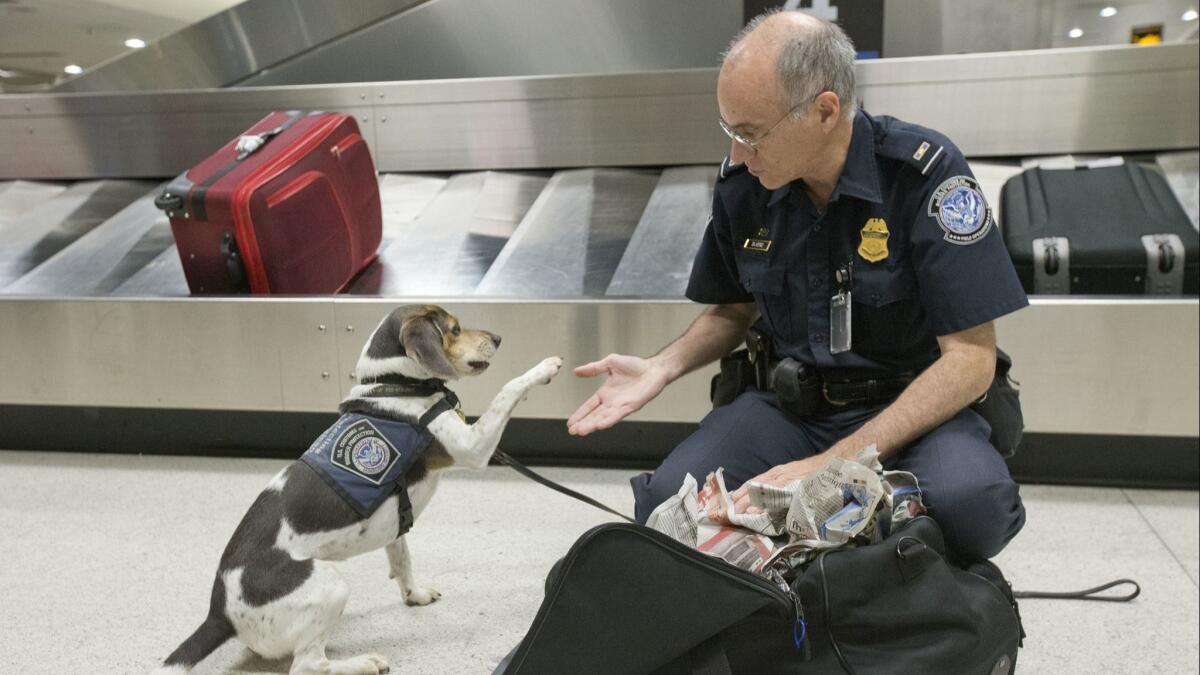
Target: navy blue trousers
(964,482)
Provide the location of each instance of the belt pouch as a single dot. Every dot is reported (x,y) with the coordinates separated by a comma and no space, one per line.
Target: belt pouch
(798,388)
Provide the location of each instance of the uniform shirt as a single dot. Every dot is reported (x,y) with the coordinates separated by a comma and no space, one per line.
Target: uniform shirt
(909,219)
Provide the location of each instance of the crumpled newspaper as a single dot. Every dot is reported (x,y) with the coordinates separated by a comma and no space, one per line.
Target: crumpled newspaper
(845,502)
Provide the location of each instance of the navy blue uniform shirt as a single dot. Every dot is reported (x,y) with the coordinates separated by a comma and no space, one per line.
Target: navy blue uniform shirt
(906,215)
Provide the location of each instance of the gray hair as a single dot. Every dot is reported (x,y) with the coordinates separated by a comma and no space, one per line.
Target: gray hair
(811,61)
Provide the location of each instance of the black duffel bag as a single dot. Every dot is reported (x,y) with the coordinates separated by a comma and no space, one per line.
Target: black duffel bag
(627,600)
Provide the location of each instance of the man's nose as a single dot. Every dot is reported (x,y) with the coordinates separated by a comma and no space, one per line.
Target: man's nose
(738,153)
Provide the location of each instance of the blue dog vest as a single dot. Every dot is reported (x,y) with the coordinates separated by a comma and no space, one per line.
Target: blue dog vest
(364,459)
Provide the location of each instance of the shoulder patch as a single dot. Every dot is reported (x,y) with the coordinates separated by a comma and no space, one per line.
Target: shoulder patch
(960,209)
(728,169)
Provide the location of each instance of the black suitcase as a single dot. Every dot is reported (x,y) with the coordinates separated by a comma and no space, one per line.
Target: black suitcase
(1100,230)
(627,600)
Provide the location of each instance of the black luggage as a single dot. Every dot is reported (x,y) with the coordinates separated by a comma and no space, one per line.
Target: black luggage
(627,600)
(1100,230)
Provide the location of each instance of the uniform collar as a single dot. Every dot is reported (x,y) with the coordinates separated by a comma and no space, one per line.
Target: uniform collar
(860,175)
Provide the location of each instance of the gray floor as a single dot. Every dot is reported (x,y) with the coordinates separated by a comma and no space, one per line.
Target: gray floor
(106,563)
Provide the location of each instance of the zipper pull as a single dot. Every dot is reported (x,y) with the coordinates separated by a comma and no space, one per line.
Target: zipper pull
(800,627)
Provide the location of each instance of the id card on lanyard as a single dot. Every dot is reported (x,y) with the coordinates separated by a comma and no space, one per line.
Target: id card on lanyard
(840,305)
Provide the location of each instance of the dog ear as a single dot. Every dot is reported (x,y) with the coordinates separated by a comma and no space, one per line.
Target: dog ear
(423,342)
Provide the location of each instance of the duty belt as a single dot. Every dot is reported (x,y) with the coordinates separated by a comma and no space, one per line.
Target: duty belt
(839,392)
(864,392)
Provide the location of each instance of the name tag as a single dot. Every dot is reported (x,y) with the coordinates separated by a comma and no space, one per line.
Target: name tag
(759,245)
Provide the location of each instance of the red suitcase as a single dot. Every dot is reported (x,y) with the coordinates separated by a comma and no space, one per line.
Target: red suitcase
(291,206)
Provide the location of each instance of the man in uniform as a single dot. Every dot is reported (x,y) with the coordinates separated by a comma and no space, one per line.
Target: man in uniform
(863,249)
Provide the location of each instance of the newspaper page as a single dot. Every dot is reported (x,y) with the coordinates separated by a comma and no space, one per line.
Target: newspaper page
(844,501)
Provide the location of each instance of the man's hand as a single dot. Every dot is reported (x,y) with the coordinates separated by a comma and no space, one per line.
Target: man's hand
(632,382)
(781,475)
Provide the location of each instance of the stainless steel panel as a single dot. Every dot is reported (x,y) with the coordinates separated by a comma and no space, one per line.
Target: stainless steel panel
(553,132)
(17,197)
(1182,170)
(233,44)
(168,353)
(104,258)
(1004,104)
(491,38)
(161,277)
(573,237)
(1107,366)
(44,231)
(1101,366)
(454,240)
(658,261)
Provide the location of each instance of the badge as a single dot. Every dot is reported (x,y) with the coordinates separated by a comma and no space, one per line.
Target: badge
(921,151)
(760,242)
(959,207)
(873,246)
(362,450)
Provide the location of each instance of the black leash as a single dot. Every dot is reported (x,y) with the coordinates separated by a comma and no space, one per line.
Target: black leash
(1089,594)
(507,460)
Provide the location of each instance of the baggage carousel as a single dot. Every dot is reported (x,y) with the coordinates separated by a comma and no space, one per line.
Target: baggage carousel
(562,213)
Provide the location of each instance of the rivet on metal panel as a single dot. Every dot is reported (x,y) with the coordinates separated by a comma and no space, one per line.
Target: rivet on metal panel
(1137,278)
(349,329)
(362,97)
(353,376)
(321,328)
(381,96)
(383,119)
(324,374)
(27,108)
(364,120)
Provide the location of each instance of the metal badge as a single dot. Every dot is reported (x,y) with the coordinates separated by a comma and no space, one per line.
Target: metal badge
(873,243)
(839,323)
(759,245)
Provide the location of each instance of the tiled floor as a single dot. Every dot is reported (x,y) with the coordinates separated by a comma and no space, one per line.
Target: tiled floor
(106,563)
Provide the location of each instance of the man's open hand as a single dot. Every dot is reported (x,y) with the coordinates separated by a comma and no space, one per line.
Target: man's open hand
(631,383)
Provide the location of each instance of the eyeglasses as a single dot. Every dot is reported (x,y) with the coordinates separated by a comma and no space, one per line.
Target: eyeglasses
(752,144)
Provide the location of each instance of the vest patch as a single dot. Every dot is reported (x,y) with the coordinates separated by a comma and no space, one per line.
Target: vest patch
(364,458)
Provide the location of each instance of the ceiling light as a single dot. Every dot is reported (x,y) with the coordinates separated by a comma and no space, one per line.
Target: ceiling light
(1190,15)
(1108,11)
(1075,33)
(73,69)
(135,43)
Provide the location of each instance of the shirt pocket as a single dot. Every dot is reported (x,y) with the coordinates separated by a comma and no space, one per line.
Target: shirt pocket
(767,285)
(887,324)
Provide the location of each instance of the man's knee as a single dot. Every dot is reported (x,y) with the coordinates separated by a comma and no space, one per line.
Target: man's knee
(979,520)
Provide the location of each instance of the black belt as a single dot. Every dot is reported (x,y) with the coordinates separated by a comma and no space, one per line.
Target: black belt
(840,392)
(864,392)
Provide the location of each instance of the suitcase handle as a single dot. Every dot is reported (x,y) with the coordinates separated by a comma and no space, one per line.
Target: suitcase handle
(233,262)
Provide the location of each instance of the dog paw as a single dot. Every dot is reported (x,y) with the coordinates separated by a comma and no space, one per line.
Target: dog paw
(545,371)
(367,664)
(421,596)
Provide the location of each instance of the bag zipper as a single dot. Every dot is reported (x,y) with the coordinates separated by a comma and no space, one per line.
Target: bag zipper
(788,600)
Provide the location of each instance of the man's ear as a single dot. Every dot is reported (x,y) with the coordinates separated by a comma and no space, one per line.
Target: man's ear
(423,342)
(829,108)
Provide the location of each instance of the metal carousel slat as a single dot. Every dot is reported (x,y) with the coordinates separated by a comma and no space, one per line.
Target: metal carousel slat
(658,260)
(573,237)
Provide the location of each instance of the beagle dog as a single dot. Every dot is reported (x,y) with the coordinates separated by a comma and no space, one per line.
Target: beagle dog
(276,587)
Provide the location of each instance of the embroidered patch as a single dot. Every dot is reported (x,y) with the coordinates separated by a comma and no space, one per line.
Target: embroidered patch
(362,450)
(959,207)
(874,237)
